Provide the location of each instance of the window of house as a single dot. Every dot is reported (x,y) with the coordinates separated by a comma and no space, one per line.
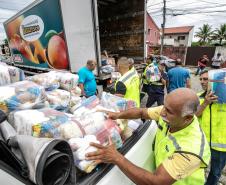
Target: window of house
(149,31)
(155,33)
(181,37)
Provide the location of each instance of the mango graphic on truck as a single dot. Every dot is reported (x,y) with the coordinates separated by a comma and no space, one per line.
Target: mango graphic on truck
(25,36)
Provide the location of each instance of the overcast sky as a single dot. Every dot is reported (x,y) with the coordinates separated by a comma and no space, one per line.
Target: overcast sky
(179,12)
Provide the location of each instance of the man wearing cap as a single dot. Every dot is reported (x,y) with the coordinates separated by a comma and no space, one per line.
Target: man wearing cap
(156,89)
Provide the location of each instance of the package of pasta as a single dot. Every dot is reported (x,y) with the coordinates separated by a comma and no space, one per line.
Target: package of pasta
(22,95)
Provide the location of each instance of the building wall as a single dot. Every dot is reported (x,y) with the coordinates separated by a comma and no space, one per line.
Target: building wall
(190,37)
(169,39)
(153,32)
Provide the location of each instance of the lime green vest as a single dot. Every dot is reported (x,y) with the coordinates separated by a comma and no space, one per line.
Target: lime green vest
(189,140)
(132,83)
(213,123)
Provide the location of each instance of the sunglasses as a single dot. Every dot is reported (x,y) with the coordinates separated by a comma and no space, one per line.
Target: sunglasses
(205,79)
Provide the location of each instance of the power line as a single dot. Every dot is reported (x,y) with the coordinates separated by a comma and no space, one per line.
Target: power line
(163,26)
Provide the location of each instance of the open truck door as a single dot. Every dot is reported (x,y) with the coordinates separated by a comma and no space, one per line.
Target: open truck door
(79,18)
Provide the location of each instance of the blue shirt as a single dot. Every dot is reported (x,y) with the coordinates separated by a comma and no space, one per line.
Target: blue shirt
(177,78)
(87,78)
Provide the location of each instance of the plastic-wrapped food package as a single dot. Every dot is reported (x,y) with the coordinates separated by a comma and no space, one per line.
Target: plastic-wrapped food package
(153,74)
(68,81)
(16,74)
(80,147)
(49,81)
(4,75)
(21,95)
(23,121)
(217,82)
(117,103)
(108,69)
(86,103)
(58,99)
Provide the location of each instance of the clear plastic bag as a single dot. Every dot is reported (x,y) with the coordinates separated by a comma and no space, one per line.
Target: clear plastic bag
(217,83)
(21,95)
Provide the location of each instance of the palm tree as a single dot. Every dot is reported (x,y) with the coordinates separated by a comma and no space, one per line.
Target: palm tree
(204,34)
(220,34)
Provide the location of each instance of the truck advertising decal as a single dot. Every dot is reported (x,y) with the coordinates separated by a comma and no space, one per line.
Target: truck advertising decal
(37,36)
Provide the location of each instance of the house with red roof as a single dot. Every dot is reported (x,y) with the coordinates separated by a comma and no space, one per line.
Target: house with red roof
(179,36)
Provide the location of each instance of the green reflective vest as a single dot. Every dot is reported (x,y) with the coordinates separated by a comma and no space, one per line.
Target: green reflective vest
(213,123)
(132,83)
(189,140)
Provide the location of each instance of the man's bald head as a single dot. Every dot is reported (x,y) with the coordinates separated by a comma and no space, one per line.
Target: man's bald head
(123,65)
(184,100)
(91,64)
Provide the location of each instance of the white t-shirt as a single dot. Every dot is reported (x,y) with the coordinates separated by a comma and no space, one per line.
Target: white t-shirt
(217,60)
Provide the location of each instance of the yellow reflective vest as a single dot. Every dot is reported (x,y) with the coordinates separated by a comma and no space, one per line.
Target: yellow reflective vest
(213,123)
(132,82)
(190,140)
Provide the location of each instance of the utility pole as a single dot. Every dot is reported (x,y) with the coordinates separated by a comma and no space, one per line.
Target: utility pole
(163,26)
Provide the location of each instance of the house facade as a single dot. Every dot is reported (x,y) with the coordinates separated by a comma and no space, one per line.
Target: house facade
(152,32)
(179,36)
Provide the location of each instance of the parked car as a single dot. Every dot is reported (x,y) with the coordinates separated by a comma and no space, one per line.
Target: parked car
(170,63)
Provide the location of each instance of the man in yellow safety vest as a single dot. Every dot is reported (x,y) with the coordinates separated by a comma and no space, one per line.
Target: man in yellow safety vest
(181,149)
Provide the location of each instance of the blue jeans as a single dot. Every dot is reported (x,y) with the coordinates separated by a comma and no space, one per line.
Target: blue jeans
(218,161)
(199,70)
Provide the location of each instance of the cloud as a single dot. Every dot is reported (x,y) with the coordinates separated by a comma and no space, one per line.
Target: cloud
(8,8)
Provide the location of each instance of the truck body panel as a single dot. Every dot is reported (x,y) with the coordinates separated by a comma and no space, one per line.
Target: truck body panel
(83,29)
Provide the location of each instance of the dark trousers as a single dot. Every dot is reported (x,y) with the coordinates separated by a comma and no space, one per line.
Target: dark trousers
(159,98)
(143,91)
(199,69)
(218,162)
(215,67)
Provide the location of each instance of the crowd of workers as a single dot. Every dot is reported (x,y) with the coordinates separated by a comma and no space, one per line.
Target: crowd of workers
(191,126)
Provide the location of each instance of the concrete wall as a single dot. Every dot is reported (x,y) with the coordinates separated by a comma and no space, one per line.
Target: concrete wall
(222,50)
(190,37)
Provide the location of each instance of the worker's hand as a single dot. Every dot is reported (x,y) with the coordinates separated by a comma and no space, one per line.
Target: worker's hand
(104,154)
(210,98)
(111,115)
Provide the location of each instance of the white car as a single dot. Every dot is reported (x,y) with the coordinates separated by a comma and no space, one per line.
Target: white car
(138,149)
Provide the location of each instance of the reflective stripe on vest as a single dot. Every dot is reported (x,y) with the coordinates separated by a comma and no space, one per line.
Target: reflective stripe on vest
(176,145)
(128,76)
(178,148)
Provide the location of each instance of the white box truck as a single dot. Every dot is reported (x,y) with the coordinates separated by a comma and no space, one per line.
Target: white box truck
(64,34)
